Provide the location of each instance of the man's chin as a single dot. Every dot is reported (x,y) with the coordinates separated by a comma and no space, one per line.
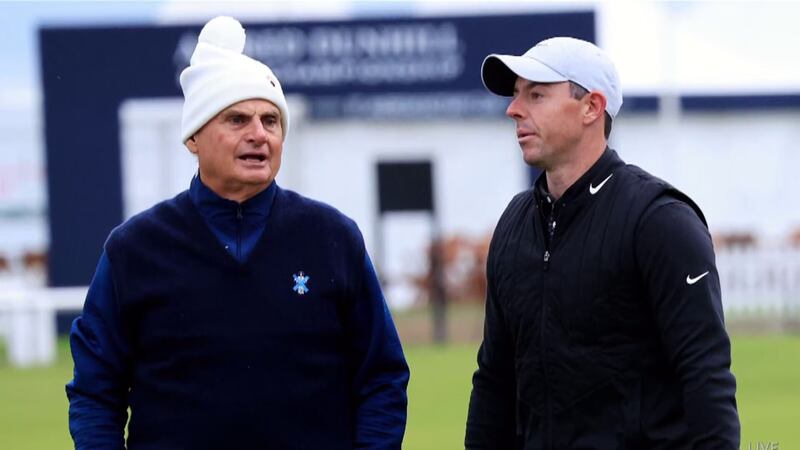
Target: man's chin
(255,177)
(258,182)
(531,157)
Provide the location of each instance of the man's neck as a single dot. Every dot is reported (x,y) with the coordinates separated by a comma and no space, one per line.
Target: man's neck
(564,175)
(237,192)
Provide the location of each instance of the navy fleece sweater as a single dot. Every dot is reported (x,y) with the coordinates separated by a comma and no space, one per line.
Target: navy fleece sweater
(200,320)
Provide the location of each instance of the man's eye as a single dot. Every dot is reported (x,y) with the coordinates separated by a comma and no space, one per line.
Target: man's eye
(237,119)
(269,121)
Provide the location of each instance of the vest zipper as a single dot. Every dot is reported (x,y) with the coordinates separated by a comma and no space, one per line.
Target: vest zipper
(239,218)
(551,232)
(543,356)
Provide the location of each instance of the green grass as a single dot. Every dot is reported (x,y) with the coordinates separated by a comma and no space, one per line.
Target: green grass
(438,396)
(767,371)
(33,406)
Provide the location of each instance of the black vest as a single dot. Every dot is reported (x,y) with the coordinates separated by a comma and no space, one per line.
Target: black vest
(576,307)
(228,355)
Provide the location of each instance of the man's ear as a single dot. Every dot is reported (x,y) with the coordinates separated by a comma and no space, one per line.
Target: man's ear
(191,144)
(595,107)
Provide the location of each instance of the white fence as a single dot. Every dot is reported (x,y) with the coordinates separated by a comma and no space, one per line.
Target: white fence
(28,322)
(760,281)
(755,282)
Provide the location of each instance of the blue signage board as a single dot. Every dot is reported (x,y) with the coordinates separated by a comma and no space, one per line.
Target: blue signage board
(395,68)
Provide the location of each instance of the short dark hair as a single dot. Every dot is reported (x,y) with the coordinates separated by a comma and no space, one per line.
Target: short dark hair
(578,92)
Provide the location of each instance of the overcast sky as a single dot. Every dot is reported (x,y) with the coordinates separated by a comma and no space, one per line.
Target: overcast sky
(731,47)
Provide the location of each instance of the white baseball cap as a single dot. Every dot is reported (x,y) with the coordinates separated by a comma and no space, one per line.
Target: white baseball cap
(220,75)
(555,60)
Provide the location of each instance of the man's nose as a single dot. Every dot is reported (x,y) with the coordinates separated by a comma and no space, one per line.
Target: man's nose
(257,132)
(514,109)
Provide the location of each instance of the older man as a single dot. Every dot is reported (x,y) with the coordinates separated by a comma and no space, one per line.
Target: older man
(604,326)
(237,315)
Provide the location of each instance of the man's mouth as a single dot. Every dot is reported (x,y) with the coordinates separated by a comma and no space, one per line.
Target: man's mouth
(254,157)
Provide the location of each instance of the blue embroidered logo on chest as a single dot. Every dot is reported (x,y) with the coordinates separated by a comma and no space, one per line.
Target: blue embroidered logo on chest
(300,281)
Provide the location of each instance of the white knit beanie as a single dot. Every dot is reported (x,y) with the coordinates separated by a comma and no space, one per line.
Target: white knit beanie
(219,75)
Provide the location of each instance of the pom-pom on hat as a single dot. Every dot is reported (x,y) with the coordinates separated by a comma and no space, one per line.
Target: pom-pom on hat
(219,75)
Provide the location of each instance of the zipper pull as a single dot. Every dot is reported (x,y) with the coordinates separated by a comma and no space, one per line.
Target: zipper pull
(546,259)
(239,212)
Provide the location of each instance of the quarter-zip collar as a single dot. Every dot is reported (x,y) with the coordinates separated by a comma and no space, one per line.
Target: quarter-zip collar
(238,226)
